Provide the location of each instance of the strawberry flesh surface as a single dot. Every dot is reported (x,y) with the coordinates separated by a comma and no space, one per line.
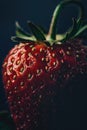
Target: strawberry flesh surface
(34,75)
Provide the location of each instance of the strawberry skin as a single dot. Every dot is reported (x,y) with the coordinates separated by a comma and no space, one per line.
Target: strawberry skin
(25,73)
(33,71)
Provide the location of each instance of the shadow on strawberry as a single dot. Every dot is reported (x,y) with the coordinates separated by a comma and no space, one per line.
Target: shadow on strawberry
(45,76)
(67,109)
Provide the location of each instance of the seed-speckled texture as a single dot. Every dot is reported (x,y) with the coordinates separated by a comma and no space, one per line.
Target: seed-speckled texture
(34,71)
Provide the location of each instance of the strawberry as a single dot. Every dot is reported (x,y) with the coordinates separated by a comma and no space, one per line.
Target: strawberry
(36,68)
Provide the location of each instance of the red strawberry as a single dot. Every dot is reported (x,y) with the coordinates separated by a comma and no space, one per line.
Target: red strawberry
(36,68)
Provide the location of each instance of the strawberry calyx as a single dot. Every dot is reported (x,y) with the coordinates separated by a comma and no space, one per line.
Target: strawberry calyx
(77,29)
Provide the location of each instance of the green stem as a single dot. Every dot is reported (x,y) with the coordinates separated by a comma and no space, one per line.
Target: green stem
(52,30)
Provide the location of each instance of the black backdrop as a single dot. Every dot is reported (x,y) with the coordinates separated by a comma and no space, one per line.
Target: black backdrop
(38,11)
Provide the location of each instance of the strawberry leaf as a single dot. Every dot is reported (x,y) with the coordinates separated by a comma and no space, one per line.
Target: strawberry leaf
(71,31)
(6,122)
(37,32)
(20,30)
(22,35)
(81,30)
(22,39)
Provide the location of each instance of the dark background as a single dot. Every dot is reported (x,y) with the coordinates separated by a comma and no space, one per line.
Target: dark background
(38,11)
